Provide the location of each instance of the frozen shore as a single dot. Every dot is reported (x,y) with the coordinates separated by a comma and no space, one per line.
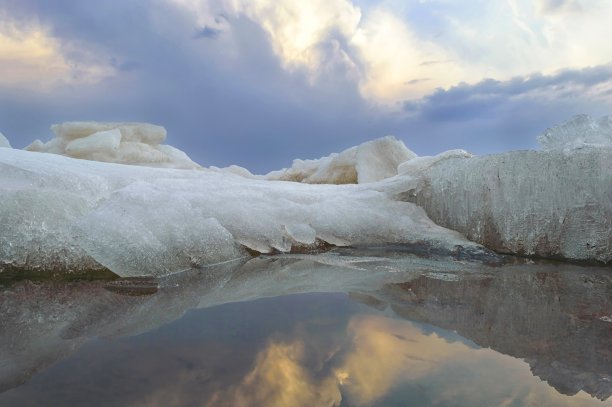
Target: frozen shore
(91,200)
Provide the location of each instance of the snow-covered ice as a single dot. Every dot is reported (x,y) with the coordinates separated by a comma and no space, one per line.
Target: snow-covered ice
(123,143)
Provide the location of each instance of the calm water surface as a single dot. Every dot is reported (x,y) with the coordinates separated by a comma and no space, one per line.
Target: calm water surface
(339,329)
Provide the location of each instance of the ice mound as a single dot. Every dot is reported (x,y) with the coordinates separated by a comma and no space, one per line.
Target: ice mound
(152,221)
(4,141)
(369,162)
(122,143)
(578,132)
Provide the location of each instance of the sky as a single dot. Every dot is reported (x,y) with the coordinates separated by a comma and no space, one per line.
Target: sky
(258,83)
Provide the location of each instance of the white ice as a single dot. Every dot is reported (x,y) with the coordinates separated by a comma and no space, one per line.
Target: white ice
(123,143)
(58,212)
(134,220)
(578,132)
(369,162)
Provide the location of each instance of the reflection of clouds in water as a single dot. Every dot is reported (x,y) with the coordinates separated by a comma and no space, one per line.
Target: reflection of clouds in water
(381,354)
(386,351)
(280,379)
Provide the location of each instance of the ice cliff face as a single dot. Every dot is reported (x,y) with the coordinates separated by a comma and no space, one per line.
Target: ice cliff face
(547,204)
(123,143)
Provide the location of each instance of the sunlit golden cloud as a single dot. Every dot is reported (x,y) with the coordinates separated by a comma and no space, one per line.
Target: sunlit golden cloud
(31,58)
(279,379)
(385,352)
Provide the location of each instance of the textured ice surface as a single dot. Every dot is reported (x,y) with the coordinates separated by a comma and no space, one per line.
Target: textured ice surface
(152,221)
(417,165)
(123,143)
(105,143)
(369,162)
(4,141)
(578,132)
(544,203)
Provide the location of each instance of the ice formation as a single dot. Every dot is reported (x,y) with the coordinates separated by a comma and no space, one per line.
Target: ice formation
(4,141)
(543,203)
(369,162)
(578,132)
(122,143)
(65,213)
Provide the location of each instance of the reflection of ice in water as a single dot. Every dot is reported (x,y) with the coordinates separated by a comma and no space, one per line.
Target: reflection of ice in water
(326,345)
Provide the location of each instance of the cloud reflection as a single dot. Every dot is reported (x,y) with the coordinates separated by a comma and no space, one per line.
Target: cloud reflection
(279,378)
(378,357)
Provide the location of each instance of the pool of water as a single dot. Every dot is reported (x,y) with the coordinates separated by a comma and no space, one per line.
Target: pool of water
(344,328)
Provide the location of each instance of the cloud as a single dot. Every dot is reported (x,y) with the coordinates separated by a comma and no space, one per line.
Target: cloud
(558,6)
(384,47)
(391,55)
(32,58)
(207,32)
(377,50)
(299,31)
(465,101)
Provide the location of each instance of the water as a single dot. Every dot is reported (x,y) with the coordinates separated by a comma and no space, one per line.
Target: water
(346,328)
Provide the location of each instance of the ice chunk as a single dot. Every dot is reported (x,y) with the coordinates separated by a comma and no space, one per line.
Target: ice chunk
(4,141)
(333,169)
(123,143)
(578,132)
(379,159)
(102,142)
(369,162)
(139,132)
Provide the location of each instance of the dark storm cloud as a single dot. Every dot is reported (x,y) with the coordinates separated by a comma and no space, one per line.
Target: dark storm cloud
(492,116)
(465,102)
